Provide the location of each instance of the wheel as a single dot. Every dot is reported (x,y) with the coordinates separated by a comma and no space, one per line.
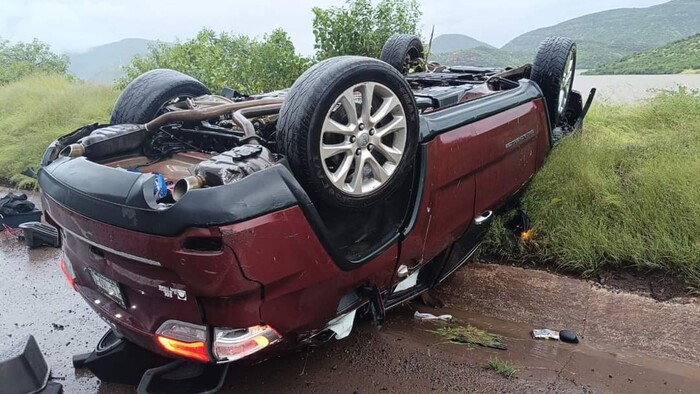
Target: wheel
(147,95)
(553,70)
(349,128)
(403,52)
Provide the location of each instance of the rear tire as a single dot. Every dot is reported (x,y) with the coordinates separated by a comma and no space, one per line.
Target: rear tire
(553,70)
(326,133)
(146,96)
(401,51)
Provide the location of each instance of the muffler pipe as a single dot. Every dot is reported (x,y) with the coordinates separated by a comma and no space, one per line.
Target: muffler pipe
(186,184)
(73,150)
(192,115)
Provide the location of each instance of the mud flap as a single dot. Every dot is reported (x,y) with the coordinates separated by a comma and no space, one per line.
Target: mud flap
(24,370)
(182,376)
(116,360)
(578,125)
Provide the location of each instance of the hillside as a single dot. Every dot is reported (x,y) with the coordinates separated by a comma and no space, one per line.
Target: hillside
(103,63)
(482,56)
(677,57)
(608,36)
(446,43)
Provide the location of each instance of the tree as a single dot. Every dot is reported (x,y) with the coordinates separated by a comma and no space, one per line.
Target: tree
(359,28)
(220,59)
(25,58)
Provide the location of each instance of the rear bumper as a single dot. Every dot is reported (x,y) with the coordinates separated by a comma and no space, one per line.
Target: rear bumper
(125,199)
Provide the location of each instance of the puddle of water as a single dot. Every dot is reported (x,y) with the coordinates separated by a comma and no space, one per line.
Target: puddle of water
(630,88)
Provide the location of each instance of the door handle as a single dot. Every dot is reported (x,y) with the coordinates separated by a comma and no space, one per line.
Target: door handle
(483,218)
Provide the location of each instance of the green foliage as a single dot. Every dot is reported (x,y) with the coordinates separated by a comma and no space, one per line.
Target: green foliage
(503,368)
(359,28)
(26,58)
(220,59)
(469,335)
(624,193)
(607,36)
(677,57)
(36,110)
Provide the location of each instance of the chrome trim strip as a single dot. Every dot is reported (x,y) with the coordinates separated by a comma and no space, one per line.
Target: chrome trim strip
(110,250)
(520,139)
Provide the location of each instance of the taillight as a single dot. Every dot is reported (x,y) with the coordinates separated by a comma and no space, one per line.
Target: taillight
(183,339)
(234,344)
(67,269)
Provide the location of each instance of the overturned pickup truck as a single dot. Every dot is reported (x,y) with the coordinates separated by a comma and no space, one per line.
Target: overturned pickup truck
(213,228)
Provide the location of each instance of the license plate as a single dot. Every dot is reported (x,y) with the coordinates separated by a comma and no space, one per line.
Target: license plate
(109,288)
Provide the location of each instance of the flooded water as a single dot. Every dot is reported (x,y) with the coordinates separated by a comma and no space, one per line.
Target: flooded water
(630,88)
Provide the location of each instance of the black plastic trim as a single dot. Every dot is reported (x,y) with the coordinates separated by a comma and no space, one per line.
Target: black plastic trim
(438,122)
(124,199)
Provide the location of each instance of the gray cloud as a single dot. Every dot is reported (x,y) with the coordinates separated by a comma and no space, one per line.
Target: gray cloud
(75,25)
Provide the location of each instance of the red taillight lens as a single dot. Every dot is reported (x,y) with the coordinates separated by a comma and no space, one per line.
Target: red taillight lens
(183,339)
(234,344)
(192,350)
(67,271)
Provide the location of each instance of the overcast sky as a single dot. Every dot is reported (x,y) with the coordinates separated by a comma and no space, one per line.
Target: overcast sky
(76,25)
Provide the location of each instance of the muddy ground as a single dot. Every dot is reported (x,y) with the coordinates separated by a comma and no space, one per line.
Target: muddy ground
(629,342)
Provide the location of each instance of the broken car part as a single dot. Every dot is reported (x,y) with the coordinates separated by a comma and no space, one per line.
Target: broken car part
(430,316)
(567,336)
(36,234)
(23,369)
(545,333)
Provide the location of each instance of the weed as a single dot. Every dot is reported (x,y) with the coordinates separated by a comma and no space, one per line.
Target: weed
(469,335)
(503,368)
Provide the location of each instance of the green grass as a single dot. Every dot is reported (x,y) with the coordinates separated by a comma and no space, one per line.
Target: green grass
(624,193)
(469,335)
(36,110)
(503,368)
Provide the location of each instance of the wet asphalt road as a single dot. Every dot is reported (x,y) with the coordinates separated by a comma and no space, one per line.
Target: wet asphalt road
(630,343)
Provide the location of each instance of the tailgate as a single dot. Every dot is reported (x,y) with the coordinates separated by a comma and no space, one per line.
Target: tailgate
(158,277)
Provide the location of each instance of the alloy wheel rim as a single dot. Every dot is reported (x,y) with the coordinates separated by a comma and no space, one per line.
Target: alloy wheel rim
(363,138)
(566,82)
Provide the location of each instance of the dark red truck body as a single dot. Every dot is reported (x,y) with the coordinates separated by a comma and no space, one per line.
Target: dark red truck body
(274,268)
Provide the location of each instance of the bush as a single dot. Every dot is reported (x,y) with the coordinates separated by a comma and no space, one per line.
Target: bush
(360,28)
(36,110)
(26,58)
(625,192)
(220,59)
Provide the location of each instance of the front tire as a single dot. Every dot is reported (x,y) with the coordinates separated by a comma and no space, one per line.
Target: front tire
(146,96)
(553,70)
(349,128)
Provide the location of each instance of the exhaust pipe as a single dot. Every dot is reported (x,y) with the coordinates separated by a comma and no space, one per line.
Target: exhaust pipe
(73,150)
(186,184)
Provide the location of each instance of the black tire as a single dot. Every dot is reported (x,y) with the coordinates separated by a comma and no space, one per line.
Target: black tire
(400,50)
(548,72)
(143,99)
(308,104)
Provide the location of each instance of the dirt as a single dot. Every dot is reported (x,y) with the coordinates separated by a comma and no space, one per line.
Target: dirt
(656,284)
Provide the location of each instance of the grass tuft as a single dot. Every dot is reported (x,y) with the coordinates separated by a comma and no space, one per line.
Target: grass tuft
(36,110)
(469,335)
(503,368)
(624,193)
